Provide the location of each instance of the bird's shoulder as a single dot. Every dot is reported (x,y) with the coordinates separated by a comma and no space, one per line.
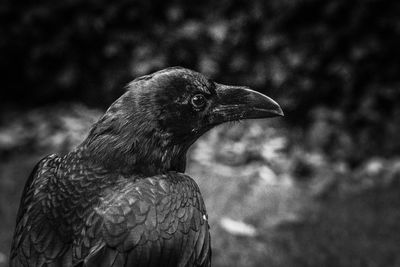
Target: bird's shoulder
(35,241)
(143,215)
(150,203)
(35,188)
(130,190)
(44,170)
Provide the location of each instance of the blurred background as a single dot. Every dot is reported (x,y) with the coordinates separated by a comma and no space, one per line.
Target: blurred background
(320,187)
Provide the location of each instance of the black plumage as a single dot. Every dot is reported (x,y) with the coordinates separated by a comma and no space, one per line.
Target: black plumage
(121,198)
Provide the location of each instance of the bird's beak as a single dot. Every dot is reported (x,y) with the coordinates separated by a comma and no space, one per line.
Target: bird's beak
(239,103)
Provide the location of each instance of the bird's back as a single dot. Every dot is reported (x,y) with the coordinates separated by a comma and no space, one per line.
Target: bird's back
(68,218)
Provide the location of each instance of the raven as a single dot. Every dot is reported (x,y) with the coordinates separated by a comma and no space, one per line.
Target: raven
(121,198)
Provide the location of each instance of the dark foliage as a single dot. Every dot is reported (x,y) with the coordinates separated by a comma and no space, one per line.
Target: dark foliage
(340,55)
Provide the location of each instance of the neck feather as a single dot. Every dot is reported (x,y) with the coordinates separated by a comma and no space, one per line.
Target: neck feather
(130,142)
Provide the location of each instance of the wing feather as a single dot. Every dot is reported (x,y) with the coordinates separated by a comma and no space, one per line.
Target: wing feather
(35,241)
(147,227)
(154,221)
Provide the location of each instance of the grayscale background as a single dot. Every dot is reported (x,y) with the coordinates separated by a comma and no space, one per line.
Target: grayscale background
(319,187)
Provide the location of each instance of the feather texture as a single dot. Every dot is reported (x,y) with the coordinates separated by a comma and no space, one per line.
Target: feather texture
(152,221)
(121,198)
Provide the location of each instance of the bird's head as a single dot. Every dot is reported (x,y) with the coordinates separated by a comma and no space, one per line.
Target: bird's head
(150,127)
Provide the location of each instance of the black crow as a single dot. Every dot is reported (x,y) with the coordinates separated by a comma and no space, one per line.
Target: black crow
(121,198)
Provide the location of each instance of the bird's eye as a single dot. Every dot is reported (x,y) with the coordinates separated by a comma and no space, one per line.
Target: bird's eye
(198,101)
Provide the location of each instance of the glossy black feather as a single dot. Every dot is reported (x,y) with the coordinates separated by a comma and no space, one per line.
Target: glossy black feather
(116,200)
(148,221)
(121,198)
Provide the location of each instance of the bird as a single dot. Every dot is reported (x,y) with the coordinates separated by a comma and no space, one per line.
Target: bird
(121,197)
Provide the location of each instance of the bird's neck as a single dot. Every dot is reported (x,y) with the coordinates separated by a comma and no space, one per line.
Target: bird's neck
(141,150)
